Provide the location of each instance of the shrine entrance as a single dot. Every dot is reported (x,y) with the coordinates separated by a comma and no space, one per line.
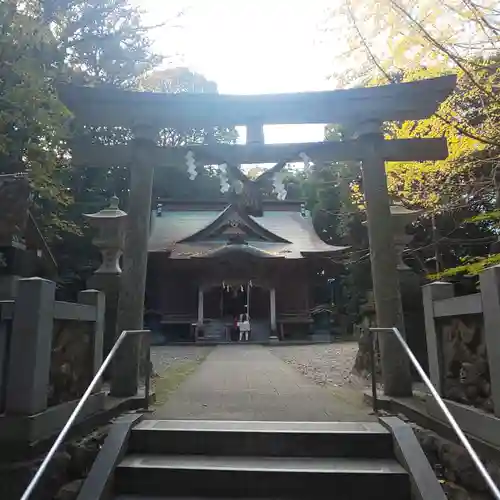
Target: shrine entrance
(362,110)
(224,302)
(220,305)
(229,301)
(234,300)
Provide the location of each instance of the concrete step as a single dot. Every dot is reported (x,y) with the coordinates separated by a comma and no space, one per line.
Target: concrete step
(216,476)
(286,439)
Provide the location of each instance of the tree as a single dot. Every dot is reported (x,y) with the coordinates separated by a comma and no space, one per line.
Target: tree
(100,41)
(44,43)
(425,40)
(32,119)
(405,34)
(453,190)
(403,37)
(95,42)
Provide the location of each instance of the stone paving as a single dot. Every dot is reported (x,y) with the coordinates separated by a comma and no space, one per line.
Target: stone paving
(248,382)
(164,357)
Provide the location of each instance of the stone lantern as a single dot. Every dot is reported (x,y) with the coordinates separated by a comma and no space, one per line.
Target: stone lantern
(109,223)
(410,285)
(15,200)
(401,217)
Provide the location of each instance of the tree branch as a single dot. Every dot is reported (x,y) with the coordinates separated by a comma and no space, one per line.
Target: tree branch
(440,46)
(465,132)
(369,52)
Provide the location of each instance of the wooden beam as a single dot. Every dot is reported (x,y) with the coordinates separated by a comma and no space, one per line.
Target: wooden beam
(95,155)
(111,107)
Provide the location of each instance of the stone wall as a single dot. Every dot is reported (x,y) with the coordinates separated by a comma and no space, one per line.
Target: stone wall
(464,353)
(65,474)
(48,358)
(71,361)
(454,467)
(465,368)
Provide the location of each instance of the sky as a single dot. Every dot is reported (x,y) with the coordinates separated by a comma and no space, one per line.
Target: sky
(248,47)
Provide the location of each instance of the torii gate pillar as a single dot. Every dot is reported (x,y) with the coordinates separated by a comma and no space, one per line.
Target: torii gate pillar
(125,372)
(396,373)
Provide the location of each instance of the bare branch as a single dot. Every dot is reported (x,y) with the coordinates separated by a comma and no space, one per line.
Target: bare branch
(369,52)
(440,46)
(481,19)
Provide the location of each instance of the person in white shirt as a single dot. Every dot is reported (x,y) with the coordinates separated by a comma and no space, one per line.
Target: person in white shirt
(244,326)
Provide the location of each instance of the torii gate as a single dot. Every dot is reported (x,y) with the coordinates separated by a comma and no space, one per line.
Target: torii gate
(364,110)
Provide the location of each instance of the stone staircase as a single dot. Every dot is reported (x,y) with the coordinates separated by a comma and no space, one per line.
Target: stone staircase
(214,330)
(221,459)
(261,330)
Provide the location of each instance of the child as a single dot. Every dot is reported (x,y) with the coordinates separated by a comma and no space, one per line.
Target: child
(244,326)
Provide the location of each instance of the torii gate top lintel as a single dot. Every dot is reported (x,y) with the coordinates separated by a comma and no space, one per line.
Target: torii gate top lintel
(112,107)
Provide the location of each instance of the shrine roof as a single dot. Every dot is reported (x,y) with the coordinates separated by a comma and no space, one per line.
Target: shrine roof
(197,232)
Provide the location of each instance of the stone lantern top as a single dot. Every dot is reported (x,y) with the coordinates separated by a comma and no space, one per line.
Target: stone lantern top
(404,214)
(397,209)
(401,218)
(111,212)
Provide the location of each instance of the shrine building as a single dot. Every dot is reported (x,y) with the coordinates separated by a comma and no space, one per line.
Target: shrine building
(209,262)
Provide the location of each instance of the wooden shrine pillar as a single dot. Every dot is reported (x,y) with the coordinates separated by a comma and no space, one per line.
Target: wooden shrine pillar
(201,296)
(272,307)
(125,372)
(396,374)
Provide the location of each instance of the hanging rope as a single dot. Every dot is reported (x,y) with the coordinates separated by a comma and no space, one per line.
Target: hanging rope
(224,179)
(191,166)
(307,161)
(278,185)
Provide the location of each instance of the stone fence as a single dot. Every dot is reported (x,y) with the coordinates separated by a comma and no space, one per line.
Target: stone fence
(463,345)
(49,353)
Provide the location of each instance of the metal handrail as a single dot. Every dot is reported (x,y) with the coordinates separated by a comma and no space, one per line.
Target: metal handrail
(71,420)
(451,419)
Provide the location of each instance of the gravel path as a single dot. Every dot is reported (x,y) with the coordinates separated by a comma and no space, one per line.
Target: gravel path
(164,357)
(326,364)
(330,365)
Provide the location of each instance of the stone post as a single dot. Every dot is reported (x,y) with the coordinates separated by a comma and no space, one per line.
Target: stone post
(431,293)
(31,347)
(272,308)
(201,297)
(125,372)
(109,223)
(98,300)
(490,294)
(396,374)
